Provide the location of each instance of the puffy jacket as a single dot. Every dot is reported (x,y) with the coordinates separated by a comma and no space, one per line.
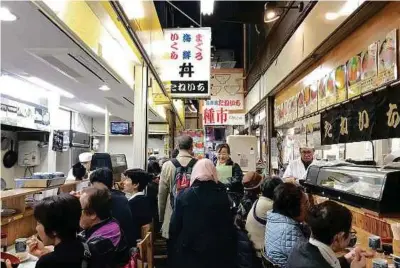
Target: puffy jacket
(281,235)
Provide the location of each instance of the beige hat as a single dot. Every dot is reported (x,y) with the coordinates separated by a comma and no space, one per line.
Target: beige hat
(85,157)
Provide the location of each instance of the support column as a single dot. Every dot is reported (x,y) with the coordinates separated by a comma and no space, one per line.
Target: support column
(140,115)
(269,126)
(53,104)
(106,130)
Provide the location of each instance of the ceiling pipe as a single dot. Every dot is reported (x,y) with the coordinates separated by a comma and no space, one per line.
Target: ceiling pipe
(125,22)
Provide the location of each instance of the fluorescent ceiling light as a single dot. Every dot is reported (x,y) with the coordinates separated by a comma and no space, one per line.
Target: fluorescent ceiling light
(133,9)
(104,88)
(331,15)
(6,15)
(41,83)
(207,7)
(94,108)
(21,89)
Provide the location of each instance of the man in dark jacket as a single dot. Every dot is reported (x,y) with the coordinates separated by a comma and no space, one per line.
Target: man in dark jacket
(330,225)
(103,177)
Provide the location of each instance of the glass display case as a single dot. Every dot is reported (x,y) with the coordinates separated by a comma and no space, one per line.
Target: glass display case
(367,187)
(119,165)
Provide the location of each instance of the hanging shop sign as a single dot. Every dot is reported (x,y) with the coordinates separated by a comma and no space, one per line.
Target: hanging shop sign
(24,114)
(226,89)
(189,62)
(222,116)
(372,117)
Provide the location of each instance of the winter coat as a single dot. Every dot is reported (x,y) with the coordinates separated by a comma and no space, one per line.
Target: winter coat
(254,227)
(281,235)
(202,231)
(121,212)
(245,253)
(165,186)
(141,213)
(306,255)
(107,245)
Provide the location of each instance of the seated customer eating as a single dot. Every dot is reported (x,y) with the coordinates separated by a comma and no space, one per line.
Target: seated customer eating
(284,228)
(135,182)
(330,225)
(101,232)
(57,224)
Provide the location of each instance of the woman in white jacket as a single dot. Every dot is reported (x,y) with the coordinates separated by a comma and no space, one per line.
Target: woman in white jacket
(257,217)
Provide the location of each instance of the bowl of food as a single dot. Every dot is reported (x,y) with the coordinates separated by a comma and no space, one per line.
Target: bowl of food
(13,259)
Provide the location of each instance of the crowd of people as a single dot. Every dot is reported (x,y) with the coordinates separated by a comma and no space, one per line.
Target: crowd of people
(245,221)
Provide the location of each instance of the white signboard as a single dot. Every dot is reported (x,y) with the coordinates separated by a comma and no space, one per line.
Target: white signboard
(189,62)
(227,89)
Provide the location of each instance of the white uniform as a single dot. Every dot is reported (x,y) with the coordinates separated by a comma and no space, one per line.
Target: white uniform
(295,169)
(83,157)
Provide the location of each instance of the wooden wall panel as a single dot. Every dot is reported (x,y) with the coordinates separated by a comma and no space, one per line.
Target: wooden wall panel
(374,29)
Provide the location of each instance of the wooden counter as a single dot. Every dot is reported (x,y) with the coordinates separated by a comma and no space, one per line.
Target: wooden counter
(23,224)
(367,220)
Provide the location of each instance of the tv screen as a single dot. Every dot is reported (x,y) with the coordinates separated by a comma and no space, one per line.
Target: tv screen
(119,128)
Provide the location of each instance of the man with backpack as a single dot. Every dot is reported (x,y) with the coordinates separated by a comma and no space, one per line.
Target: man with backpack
(174,177)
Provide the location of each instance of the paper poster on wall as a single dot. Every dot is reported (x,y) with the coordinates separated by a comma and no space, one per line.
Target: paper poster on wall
(322,96)
(330,89)
(369,68)
(300,104)
(189,62)
(292,108)
(340,83)
(354,76)
(310,96)
(387,62)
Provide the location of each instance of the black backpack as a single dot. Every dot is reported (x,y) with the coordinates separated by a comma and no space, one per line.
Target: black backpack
(181,179)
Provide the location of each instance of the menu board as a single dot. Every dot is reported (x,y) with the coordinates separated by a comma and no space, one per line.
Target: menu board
(198,141)
(330,89)
(340,84)
(310,96)
(300,103)
(354,76)
(369,68)
(322,96)
(387,63)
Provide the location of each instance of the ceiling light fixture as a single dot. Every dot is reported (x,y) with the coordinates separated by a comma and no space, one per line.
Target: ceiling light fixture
(331,15)
(133,9)
(94,108)
(273,12)
(6,15)
(105,88)
(41,83)
(207,7)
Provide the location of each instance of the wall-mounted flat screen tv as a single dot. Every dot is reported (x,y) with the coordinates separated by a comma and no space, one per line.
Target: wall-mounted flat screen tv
(120,128)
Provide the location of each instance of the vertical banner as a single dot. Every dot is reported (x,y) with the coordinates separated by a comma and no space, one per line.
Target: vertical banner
(189,62)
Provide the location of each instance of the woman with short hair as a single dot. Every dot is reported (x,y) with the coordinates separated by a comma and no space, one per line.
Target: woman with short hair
(57,225)
(330,225)
(284,229)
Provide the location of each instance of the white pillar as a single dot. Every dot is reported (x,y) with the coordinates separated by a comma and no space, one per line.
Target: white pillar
(140,122)
(106,130)
(54,108)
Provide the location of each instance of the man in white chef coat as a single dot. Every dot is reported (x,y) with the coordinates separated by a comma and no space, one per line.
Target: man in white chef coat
(85,159)
(296,170)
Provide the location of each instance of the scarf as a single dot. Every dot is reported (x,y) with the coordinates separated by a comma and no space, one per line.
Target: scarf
(326,252)
(204,170)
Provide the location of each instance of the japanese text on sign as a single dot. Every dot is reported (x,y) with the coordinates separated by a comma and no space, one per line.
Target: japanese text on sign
(189,61)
